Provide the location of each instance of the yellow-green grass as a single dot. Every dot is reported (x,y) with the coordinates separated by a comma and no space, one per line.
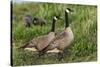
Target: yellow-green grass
(83,23)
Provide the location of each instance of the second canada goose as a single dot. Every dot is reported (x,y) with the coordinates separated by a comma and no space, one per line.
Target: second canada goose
(39,21)
(62,40)
(42,42)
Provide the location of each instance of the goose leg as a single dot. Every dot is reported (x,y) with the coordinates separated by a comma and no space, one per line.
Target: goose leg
(41,53)
(60,55)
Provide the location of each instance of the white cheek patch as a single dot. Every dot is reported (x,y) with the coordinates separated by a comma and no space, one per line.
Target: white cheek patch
(55,18)
(67,10)
(35,22)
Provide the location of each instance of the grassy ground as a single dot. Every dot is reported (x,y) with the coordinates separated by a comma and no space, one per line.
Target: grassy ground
(83,22)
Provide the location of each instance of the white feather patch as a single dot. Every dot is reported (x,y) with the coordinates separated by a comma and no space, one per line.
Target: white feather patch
(50,51)
(67,10)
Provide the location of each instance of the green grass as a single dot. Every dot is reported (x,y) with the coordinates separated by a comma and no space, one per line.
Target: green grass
(83,23)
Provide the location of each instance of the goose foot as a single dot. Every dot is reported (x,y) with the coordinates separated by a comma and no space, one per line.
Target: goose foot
(41,53)
(60,56)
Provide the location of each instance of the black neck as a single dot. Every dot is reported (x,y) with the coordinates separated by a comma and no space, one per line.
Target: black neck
(66,20)
(53,25)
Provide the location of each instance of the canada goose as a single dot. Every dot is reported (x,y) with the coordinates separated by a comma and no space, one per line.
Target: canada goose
(39,21)
(62,40)
(41,42)
(27,20)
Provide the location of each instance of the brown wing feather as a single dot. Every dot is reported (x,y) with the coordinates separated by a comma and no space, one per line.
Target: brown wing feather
(44,41)
(61,41)
(55,42)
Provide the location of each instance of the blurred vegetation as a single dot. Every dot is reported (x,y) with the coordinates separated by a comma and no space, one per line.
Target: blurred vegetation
(83,23)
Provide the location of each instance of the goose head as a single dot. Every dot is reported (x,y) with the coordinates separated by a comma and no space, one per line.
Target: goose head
(55,18)
(35,20)
(68,10)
